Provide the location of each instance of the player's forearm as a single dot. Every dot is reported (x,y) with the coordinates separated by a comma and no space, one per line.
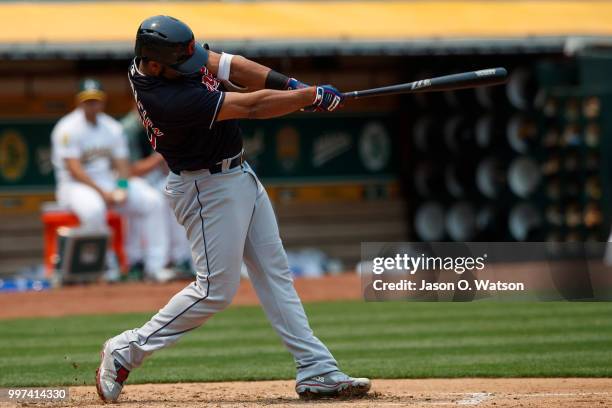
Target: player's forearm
(258,76)
(78,174)
(146,165)
(122,166)
(271,103)
(243,73)
(248,73)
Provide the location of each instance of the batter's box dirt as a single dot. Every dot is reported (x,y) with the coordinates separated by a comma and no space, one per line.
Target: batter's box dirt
(472,392)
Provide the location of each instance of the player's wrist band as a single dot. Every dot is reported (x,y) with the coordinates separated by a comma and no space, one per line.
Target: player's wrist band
(276,80)
(122,184)
(225,64)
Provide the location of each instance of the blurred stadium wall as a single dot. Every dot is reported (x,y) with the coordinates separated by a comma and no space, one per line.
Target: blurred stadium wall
(528,161)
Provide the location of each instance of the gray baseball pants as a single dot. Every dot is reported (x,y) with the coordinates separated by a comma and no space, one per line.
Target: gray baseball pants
(228,217)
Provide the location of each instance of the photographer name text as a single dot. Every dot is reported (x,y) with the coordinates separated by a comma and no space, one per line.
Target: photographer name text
(463,284)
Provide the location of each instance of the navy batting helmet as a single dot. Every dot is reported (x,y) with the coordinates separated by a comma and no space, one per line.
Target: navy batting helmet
(169,41)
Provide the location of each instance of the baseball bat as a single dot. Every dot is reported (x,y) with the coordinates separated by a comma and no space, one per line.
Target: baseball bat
(471,79)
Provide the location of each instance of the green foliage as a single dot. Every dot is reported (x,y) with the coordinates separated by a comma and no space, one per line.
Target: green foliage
(381,340)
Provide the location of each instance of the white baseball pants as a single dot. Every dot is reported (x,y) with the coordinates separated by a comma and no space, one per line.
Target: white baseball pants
(228,217)
(178,245)
(144,206)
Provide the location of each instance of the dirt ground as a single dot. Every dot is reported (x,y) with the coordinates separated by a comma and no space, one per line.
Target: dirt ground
(146,297)
(138,297)
(474,392)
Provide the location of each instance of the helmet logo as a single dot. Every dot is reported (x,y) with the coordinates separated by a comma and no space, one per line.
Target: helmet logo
(89,85)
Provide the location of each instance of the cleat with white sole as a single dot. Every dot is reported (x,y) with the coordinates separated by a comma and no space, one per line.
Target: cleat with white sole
(110,376)
(334,384)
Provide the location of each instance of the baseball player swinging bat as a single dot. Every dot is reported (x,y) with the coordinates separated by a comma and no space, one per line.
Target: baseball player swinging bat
(192,121)
(463,80)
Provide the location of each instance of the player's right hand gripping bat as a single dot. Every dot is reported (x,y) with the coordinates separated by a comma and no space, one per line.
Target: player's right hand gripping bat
(483,77)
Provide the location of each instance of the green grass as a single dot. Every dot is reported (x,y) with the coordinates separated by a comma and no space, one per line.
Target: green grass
(381,340)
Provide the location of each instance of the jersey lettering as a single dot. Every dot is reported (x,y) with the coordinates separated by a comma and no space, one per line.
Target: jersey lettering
(209,80)
(152,132)
(180,119)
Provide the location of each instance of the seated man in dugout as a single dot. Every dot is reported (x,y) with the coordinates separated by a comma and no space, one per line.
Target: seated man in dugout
(90,158)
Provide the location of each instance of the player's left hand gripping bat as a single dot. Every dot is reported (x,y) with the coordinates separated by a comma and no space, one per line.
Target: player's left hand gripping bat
(483,77)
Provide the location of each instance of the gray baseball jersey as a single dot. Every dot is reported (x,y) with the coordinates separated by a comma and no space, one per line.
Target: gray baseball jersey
(228,217)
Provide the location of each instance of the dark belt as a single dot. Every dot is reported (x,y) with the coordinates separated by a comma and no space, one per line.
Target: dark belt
(218,167)
(235,162)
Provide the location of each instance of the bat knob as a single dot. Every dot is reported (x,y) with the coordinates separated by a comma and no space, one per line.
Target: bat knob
(502,71)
